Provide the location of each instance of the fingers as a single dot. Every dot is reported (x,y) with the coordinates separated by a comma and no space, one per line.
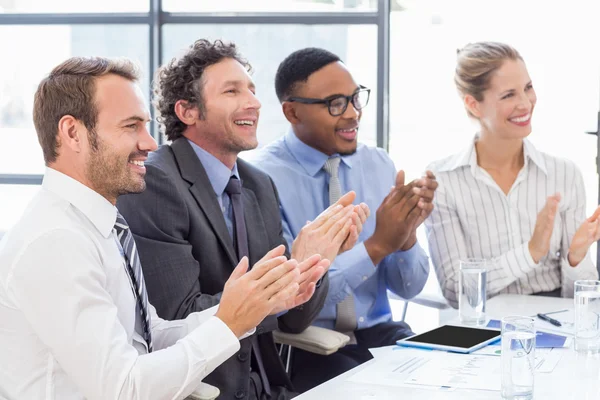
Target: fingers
(595,215)
(305,295)
(337,236)
(276,252)
(309,263)
(367,210)
(281,296)
(337,221)
(347,199)
(261,268)
(400,179)
(240,269)
(279,277)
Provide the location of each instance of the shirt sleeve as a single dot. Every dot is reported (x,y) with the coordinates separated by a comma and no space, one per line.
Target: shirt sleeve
(447,246)
(406,271)
(60,284)
(572,217)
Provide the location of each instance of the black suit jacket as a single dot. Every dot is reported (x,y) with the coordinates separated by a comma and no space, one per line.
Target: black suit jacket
(187,254)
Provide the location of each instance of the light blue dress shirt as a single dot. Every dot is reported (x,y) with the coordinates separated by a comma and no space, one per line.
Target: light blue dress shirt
(297,170)
(218,175)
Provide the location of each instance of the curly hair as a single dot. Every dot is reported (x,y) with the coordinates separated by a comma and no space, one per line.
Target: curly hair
(181,79)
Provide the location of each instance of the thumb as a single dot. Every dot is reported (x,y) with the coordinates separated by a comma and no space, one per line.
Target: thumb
(240,269)
(400,178)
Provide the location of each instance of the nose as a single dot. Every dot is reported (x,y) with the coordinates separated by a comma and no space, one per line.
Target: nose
(146,142)
(253,102)
(351,112)
(524,101)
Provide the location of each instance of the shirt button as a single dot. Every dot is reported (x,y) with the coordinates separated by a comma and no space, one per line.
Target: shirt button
(361,319)
(259,330)
(240,394)
(401,260)
(365,278)
(242,356)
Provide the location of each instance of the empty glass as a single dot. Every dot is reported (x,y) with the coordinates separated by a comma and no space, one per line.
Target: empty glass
(518,357)
(472,291)
(587,316)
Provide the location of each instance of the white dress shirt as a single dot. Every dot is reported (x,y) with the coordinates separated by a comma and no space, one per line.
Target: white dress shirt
(474,218)
(69,315)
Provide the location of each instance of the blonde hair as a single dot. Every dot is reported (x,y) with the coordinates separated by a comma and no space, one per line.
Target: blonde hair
(477,62)
(70,90)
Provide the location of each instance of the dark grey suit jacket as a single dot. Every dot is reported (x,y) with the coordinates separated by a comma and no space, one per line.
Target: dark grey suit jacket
(187,254)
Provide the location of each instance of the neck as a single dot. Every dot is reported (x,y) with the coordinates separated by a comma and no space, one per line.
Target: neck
(499,154)
(227,157)
(78,174)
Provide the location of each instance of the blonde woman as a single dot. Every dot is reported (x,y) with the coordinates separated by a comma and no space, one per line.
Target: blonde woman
(503,200)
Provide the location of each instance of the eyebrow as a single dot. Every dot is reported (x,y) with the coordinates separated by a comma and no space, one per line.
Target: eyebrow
(238,82)
(333,96)
(512,90)
(135,118)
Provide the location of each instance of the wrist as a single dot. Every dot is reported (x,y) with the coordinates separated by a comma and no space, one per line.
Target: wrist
(574,257)
(410,242)
(376,251)
(535,255)
(235,328)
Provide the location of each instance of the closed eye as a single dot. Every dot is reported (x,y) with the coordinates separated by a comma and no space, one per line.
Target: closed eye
(131,126)
(231,91)
(506,96)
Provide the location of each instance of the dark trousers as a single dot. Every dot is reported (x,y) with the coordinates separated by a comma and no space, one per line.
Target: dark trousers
(277,392)
(310,370)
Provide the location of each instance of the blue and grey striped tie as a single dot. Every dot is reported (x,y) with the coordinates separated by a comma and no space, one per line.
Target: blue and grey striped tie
(134,269)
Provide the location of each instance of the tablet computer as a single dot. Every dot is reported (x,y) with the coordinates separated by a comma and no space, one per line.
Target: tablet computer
(460,339)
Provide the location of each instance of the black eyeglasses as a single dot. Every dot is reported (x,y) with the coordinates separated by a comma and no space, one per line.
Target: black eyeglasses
(337,105)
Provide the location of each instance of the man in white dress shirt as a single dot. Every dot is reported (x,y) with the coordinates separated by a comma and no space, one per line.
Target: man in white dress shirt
(76,322)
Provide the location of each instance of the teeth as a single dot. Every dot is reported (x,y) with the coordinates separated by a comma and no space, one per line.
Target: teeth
(244,122)
(347,130)
(524,118)
(138,163)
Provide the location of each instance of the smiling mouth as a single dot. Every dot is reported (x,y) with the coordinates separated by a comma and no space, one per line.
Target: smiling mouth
(137,162)
(522,119)
(244,122)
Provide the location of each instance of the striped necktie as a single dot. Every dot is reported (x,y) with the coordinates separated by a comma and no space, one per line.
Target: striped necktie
(134,269)
(345,321)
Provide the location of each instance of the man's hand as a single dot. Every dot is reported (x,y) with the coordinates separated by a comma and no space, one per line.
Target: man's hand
(399,215)
(539,245)
(362,212)
(249,297)
(587,233)
(311,270)
(326,234)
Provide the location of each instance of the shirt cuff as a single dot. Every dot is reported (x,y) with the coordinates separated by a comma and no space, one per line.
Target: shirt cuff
(523,262)
(212,343)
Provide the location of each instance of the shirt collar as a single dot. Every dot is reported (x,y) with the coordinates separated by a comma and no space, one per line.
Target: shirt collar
(311,159)
(468,157)
(217,172)
(101,212)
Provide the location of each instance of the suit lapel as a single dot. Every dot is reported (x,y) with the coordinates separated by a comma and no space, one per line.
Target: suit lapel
(193,171)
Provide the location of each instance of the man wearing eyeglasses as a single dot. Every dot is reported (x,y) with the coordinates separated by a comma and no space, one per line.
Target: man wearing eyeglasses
(317,161)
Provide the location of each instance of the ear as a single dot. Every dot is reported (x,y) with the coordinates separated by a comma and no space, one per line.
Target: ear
(289,110)
(71,133)
(472,106)
(186,113)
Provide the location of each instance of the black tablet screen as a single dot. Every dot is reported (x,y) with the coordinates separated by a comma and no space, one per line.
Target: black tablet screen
(455,336)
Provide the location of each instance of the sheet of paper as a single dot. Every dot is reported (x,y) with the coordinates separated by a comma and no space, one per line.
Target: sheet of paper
(545,359)
(392,367)
(461,371)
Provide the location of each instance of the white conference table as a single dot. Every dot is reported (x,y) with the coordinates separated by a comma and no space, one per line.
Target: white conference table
(577,376)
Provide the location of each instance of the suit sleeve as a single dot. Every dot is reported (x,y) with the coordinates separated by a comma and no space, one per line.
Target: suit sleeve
(159,220)
(299,318)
